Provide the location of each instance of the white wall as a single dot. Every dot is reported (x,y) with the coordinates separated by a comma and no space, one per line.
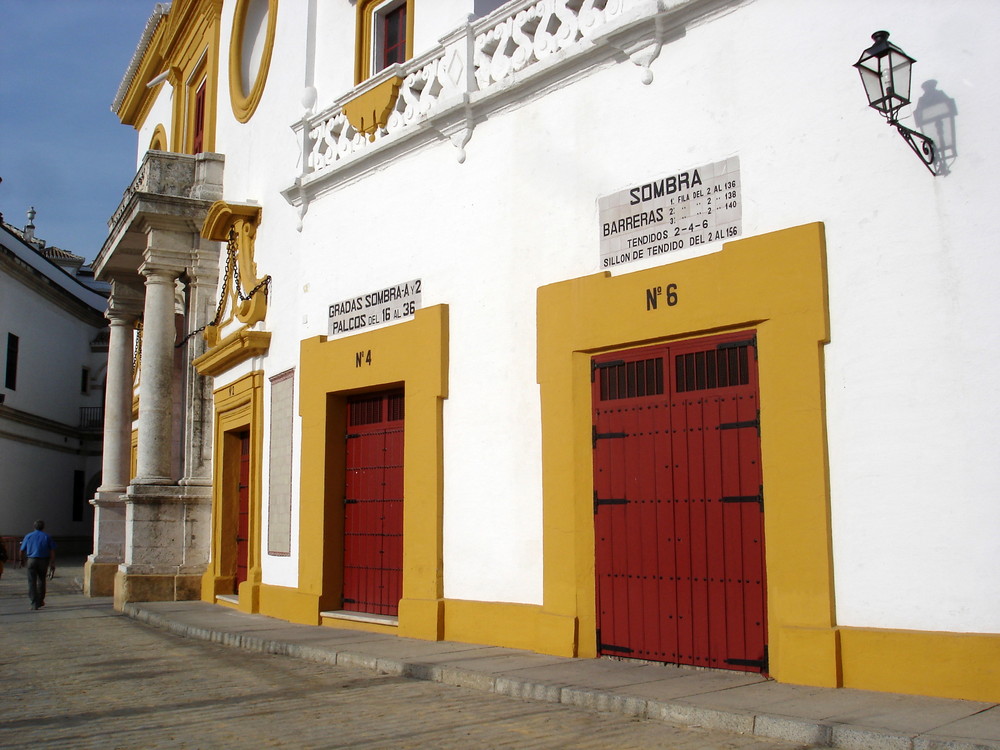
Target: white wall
(161,113)
(37,458)
(912,419)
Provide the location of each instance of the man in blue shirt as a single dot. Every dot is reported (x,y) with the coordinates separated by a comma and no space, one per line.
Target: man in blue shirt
(40,551)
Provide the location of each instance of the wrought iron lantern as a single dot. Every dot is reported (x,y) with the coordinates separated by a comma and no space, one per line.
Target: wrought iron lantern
(885,72)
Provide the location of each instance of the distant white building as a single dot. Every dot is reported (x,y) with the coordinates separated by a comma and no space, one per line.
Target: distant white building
(592,327)
(53,352)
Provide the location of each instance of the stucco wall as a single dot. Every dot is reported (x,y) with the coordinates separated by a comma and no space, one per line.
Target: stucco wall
(40,447)
(911,417)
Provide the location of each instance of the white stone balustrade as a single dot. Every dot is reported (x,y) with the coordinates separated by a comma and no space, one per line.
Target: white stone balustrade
(443,90)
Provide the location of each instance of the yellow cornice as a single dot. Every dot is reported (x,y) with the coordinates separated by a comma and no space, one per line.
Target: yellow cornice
(222,215)
(235,348)
(138,99)
(191,28)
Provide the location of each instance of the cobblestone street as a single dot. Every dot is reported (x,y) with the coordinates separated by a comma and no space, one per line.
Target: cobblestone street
(76,675)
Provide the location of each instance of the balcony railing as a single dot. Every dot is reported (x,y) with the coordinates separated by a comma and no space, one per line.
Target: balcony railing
(476,66)
(91,417)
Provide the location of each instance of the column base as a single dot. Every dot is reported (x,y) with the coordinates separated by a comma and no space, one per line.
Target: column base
(144,587)
(99,578)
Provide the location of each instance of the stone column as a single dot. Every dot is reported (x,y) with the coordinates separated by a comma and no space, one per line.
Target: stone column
(116,468)
(156,379)
(164,520)
(202,298)
(109,507)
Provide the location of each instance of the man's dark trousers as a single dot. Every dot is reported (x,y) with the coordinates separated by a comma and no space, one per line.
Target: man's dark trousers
(38,569)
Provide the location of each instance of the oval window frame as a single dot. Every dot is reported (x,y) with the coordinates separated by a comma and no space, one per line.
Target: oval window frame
(245,104)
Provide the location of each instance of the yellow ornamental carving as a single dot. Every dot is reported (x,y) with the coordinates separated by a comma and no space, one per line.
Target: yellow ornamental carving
(242,291)
(369,110)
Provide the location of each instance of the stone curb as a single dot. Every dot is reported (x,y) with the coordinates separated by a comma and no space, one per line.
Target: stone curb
(807,731)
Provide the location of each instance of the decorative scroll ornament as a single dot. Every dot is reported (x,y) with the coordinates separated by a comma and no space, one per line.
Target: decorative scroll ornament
(242,293)
(922,145)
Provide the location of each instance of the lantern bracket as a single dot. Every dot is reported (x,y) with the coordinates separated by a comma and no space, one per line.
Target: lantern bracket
(922,146)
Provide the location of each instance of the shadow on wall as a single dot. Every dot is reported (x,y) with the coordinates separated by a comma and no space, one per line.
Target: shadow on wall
(935,117)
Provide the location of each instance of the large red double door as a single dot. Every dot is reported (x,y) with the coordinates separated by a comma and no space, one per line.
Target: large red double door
(678,504)
(373,504)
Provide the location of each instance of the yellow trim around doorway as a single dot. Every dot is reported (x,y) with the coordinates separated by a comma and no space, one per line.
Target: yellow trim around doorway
(239,406)
(413,354)
(775,283)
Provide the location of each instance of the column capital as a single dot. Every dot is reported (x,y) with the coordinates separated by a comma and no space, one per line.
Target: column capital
(162,272)
(124,302)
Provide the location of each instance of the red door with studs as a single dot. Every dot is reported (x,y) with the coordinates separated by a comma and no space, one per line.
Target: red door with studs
(243,513)
(678,504)
(373,504)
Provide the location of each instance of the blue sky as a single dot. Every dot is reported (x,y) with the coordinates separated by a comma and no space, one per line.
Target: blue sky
(62,150)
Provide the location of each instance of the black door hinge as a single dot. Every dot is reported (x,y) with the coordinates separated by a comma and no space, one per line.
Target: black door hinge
(758,498)
(738,425)
(594,366)
(608,501)
(608,647)
(760,664)
(595,435)
(737,344)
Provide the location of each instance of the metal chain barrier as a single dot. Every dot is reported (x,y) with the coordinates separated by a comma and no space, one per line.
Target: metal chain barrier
(231,267)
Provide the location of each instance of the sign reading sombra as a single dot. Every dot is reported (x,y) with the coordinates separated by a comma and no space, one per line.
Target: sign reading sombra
(677,211)
(391,304)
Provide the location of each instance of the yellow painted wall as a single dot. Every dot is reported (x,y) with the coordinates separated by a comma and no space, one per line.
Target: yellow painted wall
(239,407)
(775,283)
(413,354)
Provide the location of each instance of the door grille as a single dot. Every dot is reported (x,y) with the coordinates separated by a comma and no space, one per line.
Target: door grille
(366,411)
(632,379)
(713,368)
(396,409)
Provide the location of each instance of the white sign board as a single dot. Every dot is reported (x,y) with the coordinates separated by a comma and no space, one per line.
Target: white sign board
(674,212)
(389,305)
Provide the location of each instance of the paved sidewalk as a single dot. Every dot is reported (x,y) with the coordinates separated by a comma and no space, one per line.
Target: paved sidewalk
(731,701)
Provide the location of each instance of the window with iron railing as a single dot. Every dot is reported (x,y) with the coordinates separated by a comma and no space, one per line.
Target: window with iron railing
(91,417)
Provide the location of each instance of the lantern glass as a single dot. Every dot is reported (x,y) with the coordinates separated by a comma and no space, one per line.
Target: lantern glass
(885,73)
(900,66)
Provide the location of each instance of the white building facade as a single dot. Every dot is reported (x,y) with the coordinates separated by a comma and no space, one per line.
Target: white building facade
(53,352)
(611,327)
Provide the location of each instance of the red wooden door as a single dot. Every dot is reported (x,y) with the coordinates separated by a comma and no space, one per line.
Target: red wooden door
(243,512)
(373,504)
(678,504)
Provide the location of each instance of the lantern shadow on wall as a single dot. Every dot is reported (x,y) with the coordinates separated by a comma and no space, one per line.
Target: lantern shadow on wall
(935,116)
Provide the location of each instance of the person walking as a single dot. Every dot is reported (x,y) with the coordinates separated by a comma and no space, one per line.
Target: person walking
(40,551)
